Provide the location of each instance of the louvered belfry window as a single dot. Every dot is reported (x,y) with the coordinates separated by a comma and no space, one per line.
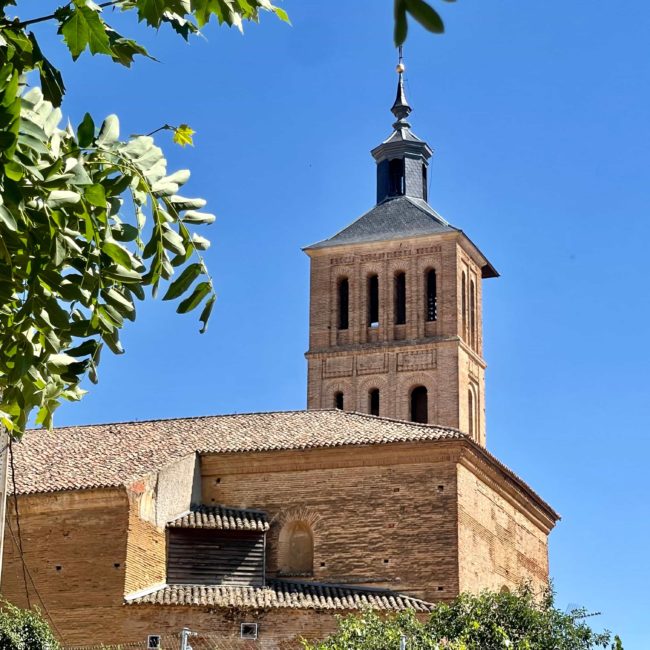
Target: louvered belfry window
(396,172)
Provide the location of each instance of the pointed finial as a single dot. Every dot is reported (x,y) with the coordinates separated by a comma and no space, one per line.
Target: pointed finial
(401,109)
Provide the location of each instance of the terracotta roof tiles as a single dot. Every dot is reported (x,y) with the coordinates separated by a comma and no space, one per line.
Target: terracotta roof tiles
(111,455)
(222,518)
(280,594)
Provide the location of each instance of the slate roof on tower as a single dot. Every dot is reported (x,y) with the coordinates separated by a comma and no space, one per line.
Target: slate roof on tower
(395,218)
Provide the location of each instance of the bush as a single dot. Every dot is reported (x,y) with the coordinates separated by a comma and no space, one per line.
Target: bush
(23,629)
(521,620)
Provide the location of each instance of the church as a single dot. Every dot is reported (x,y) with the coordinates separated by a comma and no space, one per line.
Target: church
(265,526)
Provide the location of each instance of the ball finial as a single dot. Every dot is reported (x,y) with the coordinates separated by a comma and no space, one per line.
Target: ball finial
(400,67)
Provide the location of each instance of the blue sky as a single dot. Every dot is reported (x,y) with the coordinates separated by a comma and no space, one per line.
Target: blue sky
(538,115)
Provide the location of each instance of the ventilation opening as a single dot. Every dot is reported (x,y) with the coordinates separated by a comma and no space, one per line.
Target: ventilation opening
(373,301)
(153,642)
(338,401)
(419,405)
(400,299)
(344,303)
(373,399)
(248,631)
(396,177)
(432,296)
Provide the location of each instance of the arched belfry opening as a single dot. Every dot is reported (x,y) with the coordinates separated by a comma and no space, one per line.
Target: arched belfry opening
(419,405)
(373,401)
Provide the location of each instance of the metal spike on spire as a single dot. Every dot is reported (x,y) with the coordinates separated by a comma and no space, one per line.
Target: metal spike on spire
(401,109)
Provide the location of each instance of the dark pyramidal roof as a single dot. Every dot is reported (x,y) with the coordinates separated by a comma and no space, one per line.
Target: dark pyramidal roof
(395,218)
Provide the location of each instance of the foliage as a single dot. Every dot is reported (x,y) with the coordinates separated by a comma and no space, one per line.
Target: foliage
(87,220)
(489,621)
(22,629)
(422,12)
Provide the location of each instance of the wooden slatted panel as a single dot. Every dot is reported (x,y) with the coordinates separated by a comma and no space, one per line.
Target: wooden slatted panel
(214,557)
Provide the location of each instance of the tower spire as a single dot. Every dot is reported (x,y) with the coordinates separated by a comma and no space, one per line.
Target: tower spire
(401,109)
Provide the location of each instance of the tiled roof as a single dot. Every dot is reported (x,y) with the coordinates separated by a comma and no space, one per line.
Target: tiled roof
(394,218)
(222,518)
(280,594)
(111,455)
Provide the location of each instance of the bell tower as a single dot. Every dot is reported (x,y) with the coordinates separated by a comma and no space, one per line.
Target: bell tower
(395,323)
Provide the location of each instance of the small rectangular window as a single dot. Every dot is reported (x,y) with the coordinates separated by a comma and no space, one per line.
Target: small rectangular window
(248,631)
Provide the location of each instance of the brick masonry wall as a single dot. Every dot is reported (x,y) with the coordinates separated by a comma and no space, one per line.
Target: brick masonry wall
(146,555)
(277,628)
(397,358)
(383,517)
(499,545)
(427,519)
(74,546)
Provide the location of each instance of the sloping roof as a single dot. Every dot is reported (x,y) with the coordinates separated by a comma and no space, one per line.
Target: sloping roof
(395,218)
(280,594)
(111,455)
(222,518)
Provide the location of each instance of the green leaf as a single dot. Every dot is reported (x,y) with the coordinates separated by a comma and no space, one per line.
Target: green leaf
(194,300)
(84,349)
(282,15)
(109,131)
(50,78)
(191,216)
(86,131)
(401,22)
(58,198)
(184,280)
(95,195)
(118,254)
(153,11)
(426,15)
(205,314)
(14,170)
(84,28)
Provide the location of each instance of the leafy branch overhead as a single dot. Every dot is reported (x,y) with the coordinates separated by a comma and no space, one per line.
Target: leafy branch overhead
(87,222)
